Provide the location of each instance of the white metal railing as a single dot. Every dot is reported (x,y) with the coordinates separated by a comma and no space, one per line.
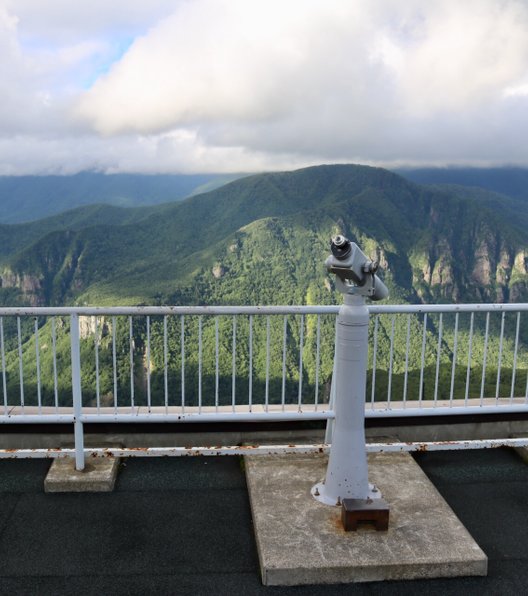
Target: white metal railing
(189,364)
(448,359)
(246,363)
(153,364)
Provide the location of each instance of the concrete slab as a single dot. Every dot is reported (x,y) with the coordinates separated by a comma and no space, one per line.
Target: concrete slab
(522,452)
(301,541)
(99,475)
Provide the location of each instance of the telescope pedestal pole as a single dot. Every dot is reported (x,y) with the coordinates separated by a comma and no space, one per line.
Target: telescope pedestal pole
(347,472)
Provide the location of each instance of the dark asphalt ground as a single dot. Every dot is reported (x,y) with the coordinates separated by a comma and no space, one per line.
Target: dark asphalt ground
(183,526)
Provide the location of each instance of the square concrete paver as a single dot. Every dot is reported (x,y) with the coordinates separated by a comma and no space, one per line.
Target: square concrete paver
(301,541)
(99,475)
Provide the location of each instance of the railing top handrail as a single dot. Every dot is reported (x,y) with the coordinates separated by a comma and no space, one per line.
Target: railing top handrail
(252,310)
(442,308)
(166,310)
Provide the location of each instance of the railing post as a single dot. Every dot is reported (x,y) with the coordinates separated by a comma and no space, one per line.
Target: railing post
(77,391)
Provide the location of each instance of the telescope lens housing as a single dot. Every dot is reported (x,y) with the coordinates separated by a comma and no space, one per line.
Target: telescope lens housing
(341,247)
(355,272)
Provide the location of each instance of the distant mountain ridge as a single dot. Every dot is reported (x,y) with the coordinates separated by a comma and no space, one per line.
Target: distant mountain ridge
(510,181)
(263,239)
(29,198)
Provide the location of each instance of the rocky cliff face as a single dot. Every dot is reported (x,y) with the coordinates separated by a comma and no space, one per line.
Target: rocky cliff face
(48,272)
(30,286)
(486,266)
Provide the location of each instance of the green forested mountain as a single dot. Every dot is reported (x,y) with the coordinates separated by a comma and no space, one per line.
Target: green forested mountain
(263,239)
(28,198)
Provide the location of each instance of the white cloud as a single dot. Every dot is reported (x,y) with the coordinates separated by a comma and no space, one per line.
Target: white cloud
(233,61)
(64,21)
(172,152)
(516,90)
(39,84)
(257,84)
(464,54)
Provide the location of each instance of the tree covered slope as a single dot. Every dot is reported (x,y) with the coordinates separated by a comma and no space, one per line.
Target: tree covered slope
(264,238)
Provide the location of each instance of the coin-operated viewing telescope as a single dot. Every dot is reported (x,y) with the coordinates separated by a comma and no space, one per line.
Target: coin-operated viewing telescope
(346,482)
(356,273)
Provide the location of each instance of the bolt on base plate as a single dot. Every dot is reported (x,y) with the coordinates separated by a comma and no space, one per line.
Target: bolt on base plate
(319,494)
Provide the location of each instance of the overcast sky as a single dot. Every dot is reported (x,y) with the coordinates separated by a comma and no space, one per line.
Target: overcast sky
(251,85)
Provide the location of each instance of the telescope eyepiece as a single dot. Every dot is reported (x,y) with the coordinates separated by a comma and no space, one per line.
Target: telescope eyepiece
(341,247)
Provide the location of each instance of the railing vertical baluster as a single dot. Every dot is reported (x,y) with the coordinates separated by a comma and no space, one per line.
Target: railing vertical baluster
(317,360)
(149,396)
(54,358)
(182,350)
(438,353)
(284,346)
(374,360)
(301,343)
(470,354)
(114,360)
(422,363)
(20,365)
(77,391)
(406,371)
(453,368)
(97,380)
(233,367)
(484,359)
(37,363)
(266,392)
(499,364)
(165,365)
(4,377)
(200,365)
(131,361)
(217,366)
(391,359)
(250,371)
(526,389)
(514,366)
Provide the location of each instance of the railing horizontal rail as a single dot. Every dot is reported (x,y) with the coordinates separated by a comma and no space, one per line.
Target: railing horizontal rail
(93,311)
(224,450)
(252,310)
(258,416)
(443,308)
(37,418)
(443,411)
